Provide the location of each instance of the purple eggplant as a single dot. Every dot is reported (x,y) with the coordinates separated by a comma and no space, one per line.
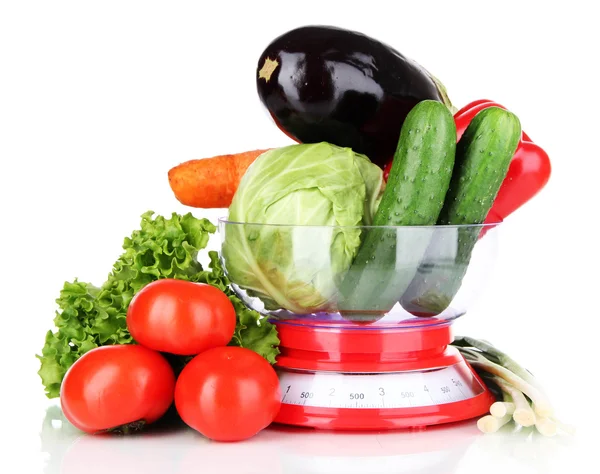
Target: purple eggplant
(322,83)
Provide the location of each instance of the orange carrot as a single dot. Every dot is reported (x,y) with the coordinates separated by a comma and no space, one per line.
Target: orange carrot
(210,182)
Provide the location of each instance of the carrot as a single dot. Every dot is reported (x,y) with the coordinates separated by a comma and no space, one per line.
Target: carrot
(210,182)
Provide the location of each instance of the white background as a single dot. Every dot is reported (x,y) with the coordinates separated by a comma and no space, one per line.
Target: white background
(99,99)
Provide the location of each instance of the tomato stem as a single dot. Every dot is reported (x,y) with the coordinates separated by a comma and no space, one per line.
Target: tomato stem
(128,428)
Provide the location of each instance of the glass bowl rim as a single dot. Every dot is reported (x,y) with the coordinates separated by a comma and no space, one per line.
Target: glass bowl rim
(224,220)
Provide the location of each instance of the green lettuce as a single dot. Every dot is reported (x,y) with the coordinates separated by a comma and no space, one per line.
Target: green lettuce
(91,316)
(320,185)
(251,331)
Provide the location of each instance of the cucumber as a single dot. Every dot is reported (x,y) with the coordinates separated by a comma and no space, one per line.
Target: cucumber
(483,155)
(414,196)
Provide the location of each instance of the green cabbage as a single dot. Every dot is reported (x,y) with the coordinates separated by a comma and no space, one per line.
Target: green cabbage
(298,269)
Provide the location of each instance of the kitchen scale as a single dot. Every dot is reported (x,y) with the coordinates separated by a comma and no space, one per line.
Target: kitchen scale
(396,370)
(374,379)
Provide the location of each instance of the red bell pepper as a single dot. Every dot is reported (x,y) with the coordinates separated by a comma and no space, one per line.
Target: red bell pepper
(527,174)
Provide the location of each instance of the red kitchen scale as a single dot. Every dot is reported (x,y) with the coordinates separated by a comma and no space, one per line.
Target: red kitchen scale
(374,379)
(366,367)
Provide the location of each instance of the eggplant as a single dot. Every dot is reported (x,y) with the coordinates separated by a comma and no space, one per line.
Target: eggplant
(323,83)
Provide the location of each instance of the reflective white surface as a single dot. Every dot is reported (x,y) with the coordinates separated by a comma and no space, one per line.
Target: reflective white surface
(100,99)
(451,449)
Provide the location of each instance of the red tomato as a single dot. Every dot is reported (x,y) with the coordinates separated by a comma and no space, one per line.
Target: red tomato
(181,317)
(228,393)
(116,385)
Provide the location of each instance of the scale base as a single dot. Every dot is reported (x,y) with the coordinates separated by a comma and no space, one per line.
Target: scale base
(375,380)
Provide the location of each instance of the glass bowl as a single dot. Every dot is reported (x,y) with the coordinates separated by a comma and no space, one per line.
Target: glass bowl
(363,276)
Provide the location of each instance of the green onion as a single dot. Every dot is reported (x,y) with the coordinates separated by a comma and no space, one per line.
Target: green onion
(521,397)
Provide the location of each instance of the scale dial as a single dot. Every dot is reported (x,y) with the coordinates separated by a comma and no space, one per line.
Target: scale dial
(379,390)
(381,401)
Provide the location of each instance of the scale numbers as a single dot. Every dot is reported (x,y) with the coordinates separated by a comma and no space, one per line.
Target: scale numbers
(384,390)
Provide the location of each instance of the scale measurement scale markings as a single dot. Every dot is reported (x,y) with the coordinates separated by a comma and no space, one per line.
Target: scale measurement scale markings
(381,390)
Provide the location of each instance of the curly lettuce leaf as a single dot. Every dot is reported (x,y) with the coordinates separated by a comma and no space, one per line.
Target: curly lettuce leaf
(91,316)
(252,331)
(83,323)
